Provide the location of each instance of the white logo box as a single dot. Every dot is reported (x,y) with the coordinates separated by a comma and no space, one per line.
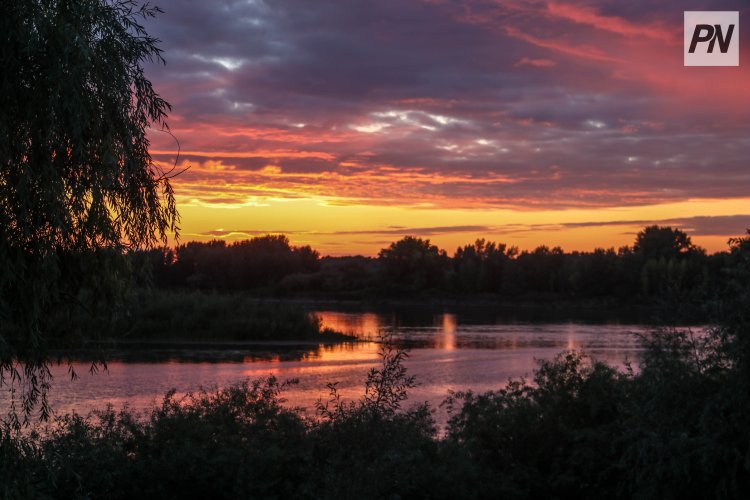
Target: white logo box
(709,33)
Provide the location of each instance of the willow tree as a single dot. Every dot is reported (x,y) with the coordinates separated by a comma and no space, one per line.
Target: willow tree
(78,187)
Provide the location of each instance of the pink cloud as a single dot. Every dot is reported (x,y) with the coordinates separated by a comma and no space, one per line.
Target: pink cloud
(588,16)
(538,63)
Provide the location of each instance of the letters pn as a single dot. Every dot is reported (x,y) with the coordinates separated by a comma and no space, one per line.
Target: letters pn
(711,33)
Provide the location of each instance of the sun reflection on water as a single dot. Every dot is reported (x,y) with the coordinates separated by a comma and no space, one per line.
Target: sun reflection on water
(448,333)
(362,325)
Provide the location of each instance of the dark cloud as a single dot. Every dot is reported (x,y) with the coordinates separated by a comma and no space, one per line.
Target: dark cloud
(728,225)
(578,104)
(719,225)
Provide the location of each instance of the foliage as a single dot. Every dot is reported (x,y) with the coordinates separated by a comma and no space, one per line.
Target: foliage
(253,263)
(479,267)
(556,437)
(77,183)
(661,268)
(235,441)
(656,242)
(390,451)
(163,315)
(413,262)
(386,388)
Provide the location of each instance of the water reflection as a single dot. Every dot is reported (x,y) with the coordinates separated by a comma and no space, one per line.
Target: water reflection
(450,351)
(445,332)
(363,325)
(449,332)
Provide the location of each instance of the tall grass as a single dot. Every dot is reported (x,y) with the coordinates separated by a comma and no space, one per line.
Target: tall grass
(205,316)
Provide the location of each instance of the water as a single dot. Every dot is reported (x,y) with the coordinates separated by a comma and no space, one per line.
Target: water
(448,352)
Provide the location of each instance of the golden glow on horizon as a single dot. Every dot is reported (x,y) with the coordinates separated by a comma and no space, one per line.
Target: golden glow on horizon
(340,229)
(357,210)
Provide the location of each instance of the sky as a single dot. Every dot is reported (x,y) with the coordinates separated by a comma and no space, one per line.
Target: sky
(349,124)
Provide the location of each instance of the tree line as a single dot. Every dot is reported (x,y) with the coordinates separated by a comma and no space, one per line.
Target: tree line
(662,262)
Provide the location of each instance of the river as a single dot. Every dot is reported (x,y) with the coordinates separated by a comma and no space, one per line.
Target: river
(447,352)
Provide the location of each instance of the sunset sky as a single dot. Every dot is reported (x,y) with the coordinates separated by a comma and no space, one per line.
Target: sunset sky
(348,124)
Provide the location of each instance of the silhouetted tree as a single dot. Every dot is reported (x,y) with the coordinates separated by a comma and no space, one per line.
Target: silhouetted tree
(413,261)
(77,183)
(539,271)
(677,271)
(655,242)
(257,262)
(593,274)
(479,267)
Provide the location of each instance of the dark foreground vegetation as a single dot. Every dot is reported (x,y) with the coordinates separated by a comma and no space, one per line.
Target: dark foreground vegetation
(679,427)
(662,265)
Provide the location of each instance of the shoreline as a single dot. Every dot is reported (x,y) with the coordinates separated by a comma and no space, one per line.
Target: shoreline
(221,344)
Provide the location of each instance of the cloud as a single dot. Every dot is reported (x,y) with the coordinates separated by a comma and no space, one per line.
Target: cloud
(538,63)
(586,15)
(719,225)
(468,104)
(726,226)
(390,230)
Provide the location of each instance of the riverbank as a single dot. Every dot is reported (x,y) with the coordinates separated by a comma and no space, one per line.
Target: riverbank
(154,319)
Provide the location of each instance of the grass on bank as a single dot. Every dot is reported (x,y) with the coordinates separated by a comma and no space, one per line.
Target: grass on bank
(160,315)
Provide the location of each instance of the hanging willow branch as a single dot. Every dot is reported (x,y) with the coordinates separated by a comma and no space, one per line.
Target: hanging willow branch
(78,187)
